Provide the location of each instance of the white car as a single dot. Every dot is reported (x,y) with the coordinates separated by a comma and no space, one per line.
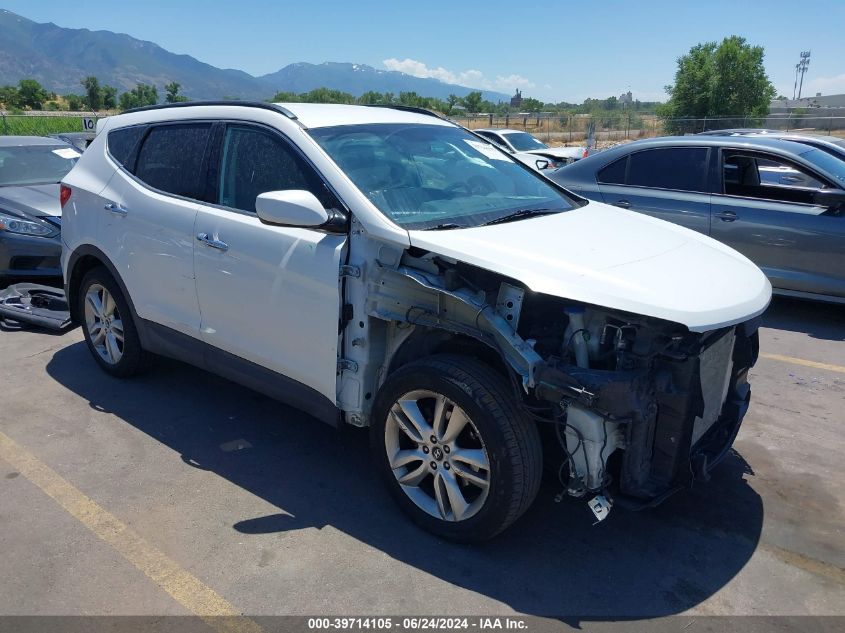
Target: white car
(386,268)
(532,151)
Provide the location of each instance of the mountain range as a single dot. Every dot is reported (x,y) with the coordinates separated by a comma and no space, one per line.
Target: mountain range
(59,58)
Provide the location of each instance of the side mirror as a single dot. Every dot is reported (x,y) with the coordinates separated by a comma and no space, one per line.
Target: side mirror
(294,207)
(542,164)
(831,199)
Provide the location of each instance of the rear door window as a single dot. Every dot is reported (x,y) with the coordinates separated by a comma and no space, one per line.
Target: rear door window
(171,159)
(678,168)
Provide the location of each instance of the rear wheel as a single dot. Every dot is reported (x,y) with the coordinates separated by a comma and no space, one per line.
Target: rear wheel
(108,326)
(454,448)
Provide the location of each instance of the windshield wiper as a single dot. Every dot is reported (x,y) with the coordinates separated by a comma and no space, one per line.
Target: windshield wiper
(516,215)
(445,227)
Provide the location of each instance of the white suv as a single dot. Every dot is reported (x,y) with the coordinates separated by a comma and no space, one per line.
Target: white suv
(383,267)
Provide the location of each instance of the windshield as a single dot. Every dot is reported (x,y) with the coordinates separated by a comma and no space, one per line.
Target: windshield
(436,176)
(524,142)
(35,164)
(830,164)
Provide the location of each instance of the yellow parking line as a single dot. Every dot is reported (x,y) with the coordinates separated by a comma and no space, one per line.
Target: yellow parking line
(805,363)
(185,588)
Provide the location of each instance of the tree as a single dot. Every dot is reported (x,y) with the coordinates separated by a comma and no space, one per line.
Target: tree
(109,94)
(726,79)
(9,97)
(326,95)
(285,97)
(31,94)
(74,102)
(370,98)
(530,104)
(141,95)
(172,90)
(472,102)
(93,96)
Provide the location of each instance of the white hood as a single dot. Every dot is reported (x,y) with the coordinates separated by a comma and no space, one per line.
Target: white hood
(616,259)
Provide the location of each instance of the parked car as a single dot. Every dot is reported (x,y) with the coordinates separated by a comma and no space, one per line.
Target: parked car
(532,151)
(80,140)
(833,145)
(30,215)
(779,202)
(386,268)
(737,131)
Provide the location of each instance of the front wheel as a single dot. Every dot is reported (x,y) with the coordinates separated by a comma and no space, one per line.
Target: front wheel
(454,448)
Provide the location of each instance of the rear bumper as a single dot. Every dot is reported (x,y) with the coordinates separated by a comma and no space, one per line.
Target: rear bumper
(27,257)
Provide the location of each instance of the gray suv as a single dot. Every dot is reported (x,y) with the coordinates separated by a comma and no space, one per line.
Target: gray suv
(780,203)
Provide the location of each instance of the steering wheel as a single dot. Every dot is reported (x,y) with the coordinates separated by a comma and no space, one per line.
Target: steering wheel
(455,187)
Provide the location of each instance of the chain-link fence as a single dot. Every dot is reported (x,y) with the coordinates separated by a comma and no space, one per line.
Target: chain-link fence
(43,123)
(615,127)
(610,127)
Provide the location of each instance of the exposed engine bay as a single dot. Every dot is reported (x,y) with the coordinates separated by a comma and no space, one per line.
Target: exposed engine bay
(631,408)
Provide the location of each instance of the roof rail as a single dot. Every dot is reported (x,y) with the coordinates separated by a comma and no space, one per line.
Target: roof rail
(406,108)
(248,104)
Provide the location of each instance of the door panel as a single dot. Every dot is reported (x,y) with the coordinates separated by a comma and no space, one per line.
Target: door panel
(268,294)
(150,239)
(797,247)
(272,296)
(691,210)
(669,183)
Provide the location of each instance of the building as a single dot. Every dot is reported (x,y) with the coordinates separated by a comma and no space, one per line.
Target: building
(819,102)
(626,98)
(516,100)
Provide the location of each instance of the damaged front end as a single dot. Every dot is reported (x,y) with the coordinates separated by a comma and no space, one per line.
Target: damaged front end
(632,408)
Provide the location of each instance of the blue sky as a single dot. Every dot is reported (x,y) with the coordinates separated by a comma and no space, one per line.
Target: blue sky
(552,50)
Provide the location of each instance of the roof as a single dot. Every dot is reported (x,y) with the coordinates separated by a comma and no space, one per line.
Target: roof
(498,130)
(750,142)
(309,115)
(313,115)
(25,141)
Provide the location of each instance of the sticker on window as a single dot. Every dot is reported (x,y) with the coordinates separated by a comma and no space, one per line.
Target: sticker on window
(66,152)
(488,150)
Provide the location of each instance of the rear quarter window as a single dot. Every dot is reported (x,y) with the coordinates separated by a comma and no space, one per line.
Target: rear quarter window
(122,142)
(613,174)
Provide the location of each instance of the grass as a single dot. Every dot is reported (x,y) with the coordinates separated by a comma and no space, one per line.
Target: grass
(22,125)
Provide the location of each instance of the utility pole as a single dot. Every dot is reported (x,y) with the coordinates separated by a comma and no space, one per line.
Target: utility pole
(801,68)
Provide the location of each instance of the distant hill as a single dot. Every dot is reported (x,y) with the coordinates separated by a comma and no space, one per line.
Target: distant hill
(59,58)
(357,79)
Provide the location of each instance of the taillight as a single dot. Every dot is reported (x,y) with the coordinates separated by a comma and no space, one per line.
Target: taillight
(64,195)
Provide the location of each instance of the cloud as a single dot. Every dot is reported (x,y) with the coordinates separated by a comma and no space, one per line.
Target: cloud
(825,85)
(471,78)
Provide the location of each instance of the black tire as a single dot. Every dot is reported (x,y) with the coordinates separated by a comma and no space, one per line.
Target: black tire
(134,358)
(511,441)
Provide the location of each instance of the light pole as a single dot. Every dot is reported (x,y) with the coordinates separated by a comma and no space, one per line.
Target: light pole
(802,68)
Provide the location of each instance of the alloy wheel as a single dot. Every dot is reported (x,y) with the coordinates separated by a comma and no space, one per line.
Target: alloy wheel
(437,455)
(104,325)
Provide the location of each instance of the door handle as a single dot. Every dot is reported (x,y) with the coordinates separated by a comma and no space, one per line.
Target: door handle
(726,216)
(213,242)
(118,209)
(624,204)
